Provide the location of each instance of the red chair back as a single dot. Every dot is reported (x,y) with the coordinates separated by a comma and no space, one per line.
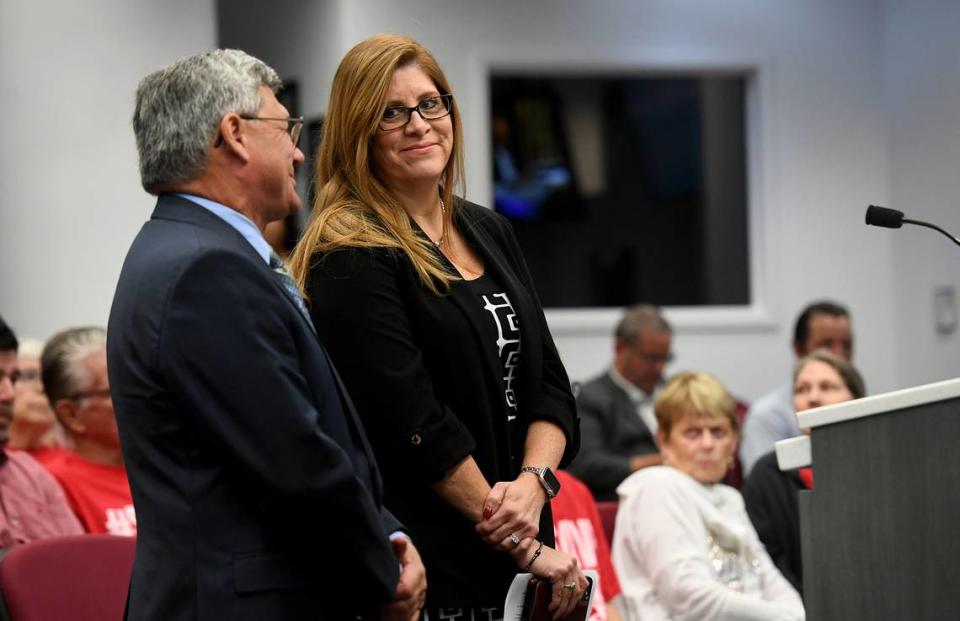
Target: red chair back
(81,578)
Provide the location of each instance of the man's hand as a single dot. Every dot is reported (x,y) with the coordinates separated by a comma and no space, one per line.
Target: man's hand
(412,588)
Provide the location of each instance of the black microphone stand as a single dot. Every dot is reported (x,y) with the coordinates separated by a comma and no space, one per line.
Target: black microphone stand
(934,227)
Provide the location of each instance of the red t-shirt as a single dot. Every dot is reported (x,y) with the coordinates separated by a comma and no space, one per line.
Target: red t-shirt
(579,531)
(99,494)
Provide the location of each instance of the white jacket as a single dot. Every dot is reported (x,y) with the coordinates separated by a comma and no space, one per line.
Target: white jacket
(685,551)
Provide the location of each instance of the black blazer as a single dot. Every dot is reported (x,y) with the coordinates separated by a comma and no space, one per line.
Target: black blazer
(771,497)
(612,433)
(256,492)
(428,389)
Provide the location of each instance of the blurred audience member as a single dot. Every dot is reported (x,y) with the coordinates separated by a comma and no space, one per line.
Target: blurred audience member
(821,325)
(579,531)
(34,427)
(32,505)
(617,424)
(74,370)
(820,378)
(684,548)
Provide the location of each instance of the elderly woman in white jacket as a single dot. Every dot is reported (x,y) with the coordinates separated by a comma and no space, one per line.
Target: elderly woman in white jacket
(683,546)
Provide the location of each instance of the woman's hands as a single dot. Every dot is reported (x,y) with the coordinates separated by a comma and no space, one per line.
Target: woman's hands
(512,508)
(568,584)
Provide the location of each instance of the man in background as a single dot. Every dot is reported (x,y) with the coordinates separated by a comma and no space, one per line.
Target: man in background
(32,505)
(74,370)
(617,425)
(256,491)
(821,325)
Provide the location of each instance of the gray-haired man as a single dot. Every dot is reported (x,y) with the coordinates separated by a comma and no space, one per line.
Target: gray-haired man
(256,493)
(618,428)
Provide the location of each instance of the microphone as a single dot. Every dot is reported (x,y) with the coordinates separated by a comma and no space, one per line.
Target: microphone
(884,216)
(893,219)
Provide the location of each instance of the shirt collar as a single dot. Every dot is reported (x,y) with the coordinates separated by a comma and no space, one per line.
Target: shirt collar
(633,391)
(237,221)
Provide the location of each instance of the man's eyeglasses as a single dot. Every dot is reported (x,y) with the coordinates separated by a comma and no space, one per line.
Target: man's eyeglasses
(429,109)
(103,393)
(657,358)
(294,126)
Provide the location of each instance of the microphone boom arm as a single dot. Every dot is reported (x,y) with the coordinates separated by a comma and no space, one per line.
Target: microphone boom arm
(934,227)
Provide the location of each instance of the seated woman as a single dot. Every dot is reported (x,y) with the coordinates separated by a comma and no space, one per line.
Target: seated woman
(684,548)
(821,378)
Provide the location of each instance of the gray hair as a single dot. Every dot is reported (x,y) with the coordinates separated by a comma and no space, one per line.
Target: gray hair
(641,318)
(179,108)
(61,367)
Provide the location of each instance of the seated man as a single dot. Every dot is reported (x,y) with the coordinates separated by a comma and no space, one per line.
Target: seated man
(617,424)
(821,325)
(33,506)
(74,369)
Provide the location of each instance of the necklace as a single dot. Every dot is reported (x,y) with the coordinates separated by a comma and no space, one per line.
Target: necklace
(443,225)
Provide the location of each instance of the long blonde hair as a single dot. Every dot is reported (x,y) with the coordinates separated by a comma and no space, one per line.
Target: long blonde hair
(353,207)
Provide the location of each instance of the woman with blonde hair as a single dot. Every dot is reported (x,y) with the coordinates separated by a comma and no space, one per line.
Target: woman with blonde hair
(684,548)
(427,308)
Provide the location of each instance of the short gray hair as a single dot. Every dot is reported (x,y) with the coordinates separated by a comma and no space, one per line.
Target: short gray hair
(179,108)
(61,370)
(641,318)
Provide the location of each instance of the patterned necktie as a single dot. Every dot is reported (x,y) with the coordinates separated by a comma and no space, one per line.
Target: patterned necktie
(286,280)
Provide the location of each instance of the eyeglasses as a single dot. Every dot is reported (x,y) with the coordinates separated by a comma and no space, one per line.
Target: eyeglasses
(103,393)
(657,358)
(294,124)
(429,109)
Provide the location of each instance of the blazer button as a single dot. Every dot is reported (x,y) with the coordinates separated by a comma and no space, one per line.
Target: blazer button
(416,439)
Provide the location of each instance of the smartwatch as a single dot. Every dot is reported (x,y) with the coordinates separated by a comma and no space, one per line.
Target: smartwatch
(547,479)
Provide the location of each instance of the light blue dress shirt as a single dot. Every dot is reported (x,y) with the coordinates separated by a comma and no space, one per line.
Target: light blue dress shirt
(237,220)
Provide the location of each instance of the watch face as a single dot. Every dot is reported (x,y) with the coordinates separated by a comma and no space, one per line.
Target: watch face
(553,485)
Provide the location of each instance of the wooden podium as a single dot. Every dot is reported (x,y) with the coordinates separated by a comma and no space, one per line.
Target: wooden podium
(880,530)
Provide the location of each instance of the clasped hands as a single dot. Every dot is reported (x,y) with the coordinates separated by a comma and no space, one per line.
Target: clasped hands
(513,508)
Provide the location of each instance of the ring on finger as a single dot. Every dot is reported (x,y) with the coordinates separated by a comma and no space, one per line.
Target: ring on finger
(570,585)
(515,539)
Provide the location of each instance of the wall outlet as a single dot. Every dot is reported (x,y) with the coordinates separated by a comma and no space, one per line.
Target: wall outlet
(945,309)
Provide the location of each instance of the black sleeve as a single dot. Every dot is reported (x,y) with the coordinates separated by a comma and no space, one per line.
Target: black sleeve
(233,365)
(766,497)
(357,309)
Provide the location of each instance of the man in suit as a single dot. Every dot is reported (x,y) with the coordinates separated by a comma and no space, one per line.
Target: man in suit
(256,493)
(617,423)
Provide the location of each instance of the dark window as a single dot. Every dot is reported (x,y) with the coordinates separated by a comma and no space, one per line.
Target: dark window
(625,189)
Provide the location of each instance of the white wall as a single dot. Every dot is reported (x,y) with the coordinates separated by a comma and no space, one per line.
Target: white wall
(70,196)
(922,88)
(818,137)
(853,103)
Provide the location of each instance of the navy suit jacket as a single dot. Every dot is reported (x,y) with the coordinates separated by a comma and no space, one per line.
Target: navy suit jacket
(256,492)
